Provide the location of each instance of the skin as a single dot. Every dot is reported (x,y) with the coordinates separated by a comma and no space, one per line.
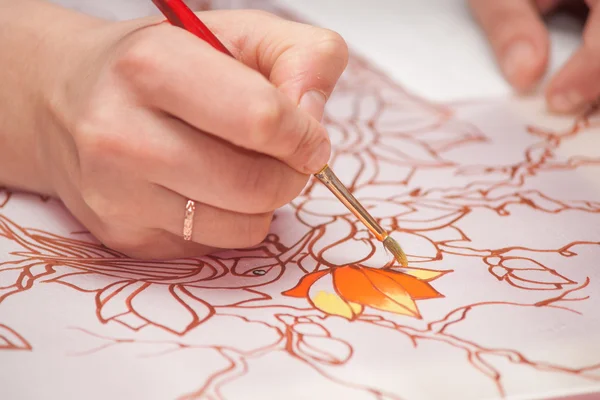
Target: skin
(520,42)
(124,126)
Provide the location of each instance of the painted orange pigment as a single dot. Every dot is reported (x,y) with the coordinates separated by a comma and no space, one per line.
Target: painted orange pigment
(355,287)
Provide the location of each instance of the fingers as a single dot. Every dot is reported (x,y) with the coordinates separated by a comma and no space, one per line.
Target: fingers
(148,223)
(212,226)
(578,82)
(132,223)
(518,38)
(137,232)
(219,95)
(212,171)
(303,61)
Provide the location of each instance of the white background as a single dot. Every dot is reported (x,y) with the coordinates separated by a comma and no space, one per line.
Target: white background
(433,47)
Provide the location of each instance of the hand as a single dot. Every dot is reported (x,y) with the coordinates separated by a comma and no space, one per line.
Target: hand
(521,44)
(148,116)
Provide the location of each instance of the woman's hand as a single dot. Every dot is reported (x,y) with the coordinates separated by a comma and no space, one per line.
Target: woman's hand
(143,116)
(521,43)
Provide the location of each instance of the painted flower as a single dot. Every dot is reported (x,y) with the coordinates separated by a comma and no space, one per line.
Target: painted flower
(343,261)
(347,290)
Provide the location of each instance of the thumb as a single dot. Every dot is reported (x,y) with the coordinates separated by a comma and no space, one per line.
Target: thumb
(306,63)
(302,61)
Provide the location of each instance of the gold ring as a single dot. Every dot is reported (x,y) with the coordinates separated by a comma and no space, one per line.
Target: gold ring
(188,222)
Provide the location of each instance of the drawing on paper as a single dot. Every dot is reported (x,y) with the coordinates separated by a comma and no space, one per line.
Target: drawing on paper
(4,196)
(11,340)
(478,208)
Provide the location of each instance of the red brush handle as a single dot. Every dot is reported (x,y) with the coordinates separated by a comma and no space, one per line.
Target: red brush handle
(180,15)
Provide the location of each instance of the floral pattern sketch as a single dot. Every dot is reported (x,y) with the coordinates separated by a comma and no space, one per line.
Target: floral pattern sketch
(499,215)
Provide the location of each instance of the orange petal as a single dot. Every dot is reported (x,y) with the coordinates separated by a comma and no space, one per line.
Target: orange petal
(391,288)
(354,286)
(302,288)
(416,288)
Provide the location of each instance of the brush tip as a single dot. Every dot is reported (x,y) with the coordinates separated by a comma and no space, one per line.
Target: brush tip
(394,248)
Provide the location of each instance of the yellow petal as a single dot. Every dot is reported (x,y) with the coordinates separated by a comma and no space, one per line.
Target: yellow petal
(356,308)
(423,274)
(331,303)
(324,297)
(395,308)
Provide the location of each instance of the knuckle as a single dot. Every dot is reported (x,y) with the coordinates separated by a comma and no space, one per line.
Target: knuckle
(99,152)
(265,117)
(95,128)
(138,61)
(106,139)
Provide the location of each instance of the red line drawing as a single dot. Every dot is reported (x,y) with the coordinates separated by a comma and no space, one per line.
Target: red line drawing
(4,196)
(11,340)
(319,275)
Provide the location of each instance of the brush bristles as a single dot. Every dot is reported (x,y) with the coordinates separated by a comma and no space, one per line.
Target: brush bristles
(394,248)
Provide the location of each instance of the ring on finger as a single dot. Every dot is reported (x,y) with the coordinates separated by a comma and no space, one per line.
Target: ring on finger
(188,222)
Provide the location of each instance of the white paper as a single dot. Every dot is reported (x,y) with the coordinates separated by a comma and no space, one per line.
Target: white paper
(496,204)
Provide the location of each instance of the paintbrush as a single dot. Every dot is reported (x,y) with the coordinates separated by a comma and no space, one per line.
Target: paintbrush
(178,14)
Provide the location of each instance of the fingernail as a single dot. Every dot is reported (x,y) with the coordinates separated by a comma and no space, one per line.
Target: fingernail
(319,158)
(566,102)
(313,102)
(519,57)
